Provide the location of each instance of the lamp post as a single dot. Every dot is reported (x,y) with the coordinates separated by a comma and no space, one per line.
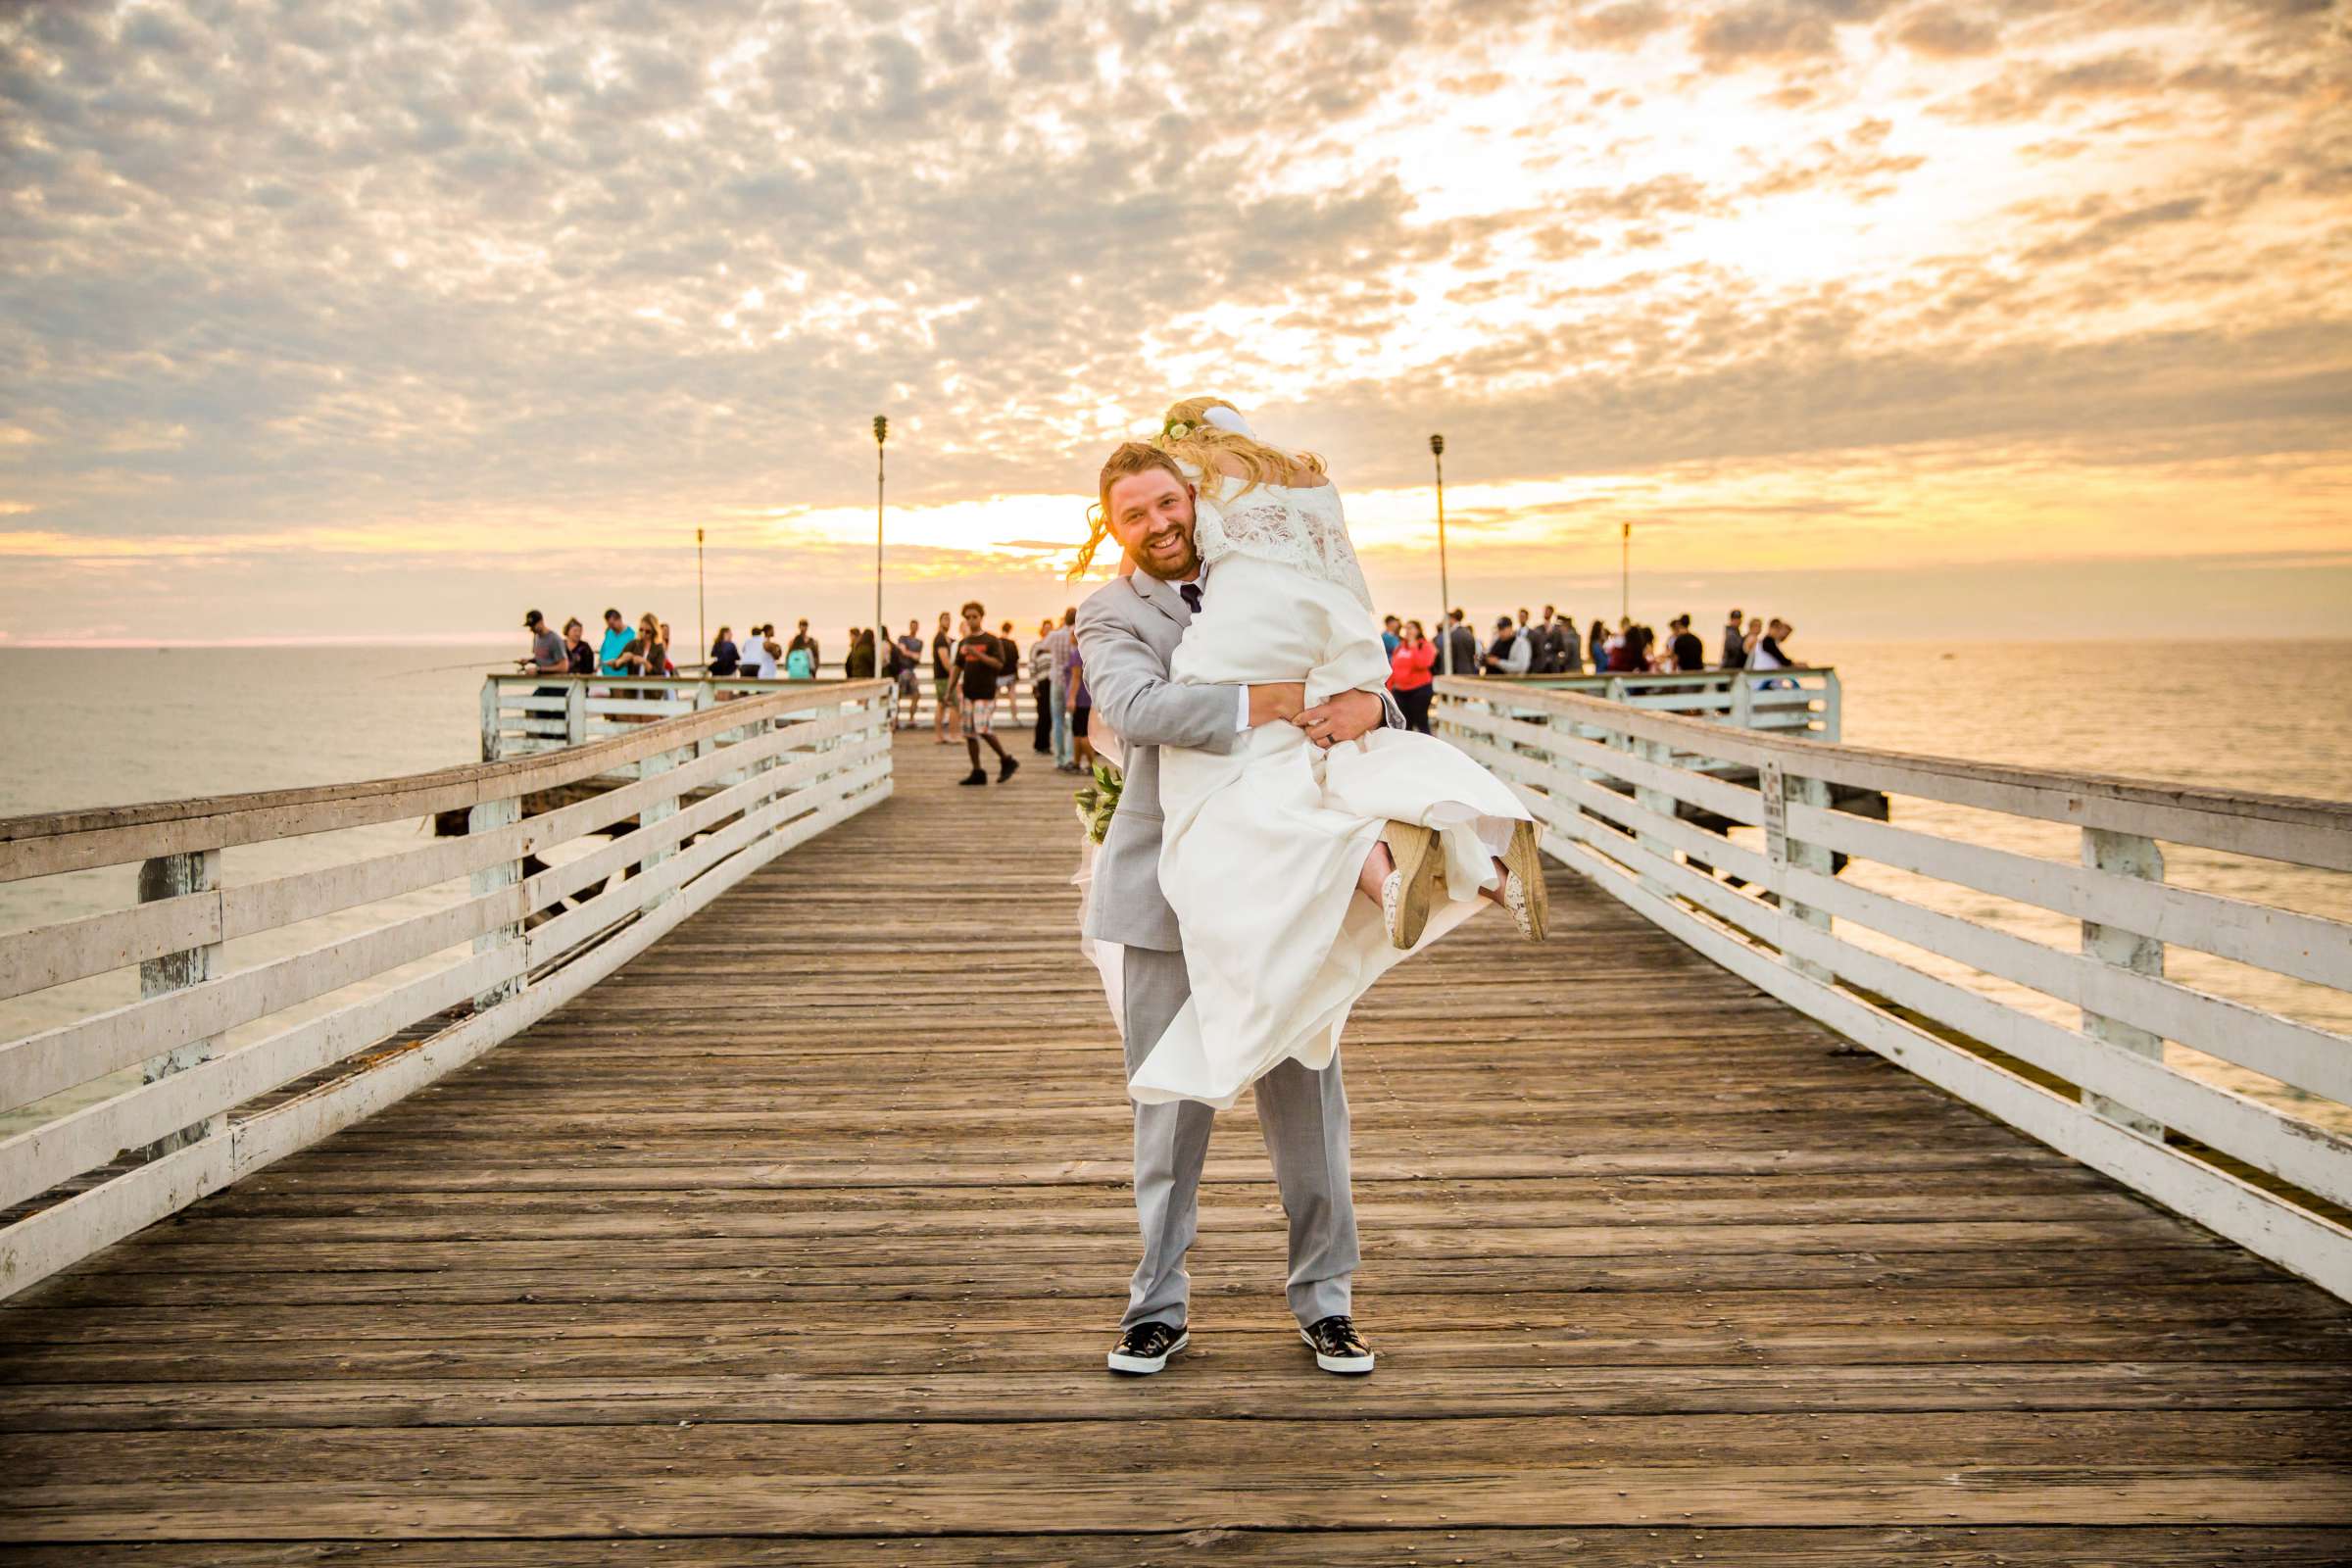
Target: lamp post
(1624,571)
(881,435)
(702,617)
(1437,454)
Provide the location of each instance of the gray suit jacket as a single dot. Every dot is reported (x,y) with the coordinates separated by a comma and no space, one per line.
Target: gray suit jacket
(1128,630)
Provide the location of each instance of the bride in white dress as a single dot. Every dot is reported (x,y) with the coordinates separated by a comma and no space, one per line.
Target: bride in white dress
(1272,853)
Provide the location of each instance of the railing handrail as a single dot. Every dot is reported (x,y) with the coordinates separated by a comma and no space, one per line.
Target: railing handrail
(64,841)
(1919,772)
(524,677)
(1687,677)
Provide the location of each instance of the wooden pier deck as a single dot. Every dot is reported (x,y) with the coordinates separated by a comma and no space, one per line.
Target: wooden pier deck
(800,1239)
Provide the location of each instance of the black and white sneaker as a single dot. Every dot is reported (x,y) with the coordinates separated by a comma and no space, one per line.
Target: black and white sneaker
(975,776)
(1337,1345)
(1147,1346)
(1007,769)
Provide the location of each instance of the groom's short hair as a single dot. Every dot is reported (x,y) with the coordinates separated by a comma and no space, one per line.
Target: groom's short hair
(1131,458)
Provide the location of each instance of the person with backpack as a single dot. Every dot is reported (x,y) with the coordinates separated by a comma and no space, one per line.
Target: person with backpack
(800,661)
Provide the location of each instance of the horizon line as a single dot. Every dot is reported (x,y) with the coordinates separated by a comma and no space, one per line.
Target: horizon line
(420,640)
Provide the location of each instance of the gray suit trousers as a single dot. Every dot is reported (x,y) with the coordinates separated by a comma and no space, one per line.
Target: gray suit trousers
(1304,1117)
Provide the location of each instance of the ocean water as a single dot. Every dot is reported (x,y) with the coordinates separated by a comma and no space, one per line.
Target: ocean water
(106,728)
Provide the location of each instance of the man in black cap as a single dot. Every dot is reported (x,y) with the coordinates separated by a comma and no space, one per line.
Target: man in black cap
(547,657)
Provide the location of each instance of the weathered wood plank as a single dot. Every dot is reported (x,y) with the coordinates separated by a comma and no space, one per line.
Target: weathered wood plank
(1638,1545)
(1315,1498)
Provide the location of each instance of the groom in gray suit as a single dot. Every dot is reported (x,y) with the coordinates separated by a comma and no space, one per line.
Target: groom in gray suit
(1127,631)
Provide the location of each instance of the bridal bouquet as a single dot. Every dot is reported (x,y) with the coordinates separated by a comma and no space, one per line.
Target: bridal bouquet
(1099,800)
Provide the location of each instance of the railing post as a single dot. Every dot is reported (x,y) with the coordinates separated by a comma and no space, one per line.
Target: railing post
(575,713)
(1779,789)
(169,876)
(1661,754)
(704,697)
(489,718)
(1831,724)
(1743,702)
(2124,854)
(654,811)
(488,818)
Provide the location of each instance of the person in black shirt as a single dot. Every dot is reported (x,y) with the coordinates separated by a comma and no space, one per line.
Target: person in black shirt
(579,657)
(858,663)
(1689,651)
(980,658)
(1567,649)
(942,679)
(725,657)
(1734,644)
(1460,646)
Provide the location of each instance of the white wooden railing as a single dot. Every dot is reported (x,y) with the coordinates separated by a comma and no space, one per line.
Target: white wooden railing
(526,713)
(1606,780)
(1803,701)
(713,794)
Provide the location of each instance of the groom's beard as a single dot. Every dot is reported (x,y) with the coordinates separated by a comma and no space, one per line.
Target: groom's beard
(1152,564)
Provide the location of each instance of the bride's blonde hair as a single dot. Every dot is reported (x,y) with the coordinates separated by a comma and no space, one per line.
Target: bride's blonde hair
(1186,435)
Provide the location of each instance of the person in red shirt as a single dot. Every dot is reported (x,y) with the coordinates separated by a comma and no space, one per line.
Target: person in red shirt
(1409,675)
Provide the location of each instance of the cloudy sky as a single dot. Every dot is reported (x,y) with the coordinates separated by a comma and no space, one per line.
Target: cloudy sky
(381,317)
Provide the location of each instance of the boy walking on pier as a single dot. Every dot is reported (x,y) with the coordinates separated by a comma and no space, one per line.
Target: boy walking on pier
(980,657)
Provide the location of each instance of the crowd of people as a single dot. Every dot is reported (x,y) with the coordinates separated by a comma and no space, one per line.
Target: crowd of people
(1550,644)
(621,651)
(970,667)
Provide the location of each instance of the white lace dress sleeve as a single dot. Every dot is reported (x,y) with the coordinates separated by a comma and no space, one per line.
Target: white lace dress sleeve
(1289,601)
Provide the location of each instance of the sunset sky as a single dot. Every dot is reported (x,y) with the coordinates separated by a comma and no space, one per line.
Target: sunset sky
(366,319)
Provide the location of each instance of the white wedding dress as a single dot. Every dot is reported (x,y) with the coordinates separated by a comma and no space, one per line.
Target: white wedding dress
(1262,845)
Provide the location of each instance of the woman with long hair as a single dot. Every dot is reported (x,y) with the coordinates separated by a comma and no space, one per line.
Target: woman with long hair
(1297,874)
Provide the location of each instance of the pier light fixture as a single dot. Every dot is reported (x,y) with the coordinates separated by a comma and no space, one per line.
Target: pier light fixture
(1436,456)
(1624,571)
(881,436)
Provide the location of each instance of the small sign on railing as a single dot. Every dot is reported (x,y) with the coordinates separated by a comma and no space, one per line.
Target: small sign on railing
(1776,812)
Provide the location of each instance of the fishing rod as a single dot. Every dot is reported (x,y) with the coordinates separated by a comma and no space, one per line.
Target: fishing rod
(471,664)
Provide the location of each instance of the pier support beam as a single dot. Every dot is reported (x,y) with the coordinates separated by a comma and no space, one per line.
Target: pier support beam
(2124,854)
(171,876)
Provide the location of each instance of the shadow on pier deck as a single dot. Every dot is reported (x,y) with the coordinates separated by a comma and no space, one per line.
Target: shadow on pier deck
(800,1239)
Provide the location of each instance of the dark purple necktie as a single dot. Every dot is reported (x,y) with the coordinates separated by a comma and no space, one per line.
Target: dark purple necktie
(1192,596)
